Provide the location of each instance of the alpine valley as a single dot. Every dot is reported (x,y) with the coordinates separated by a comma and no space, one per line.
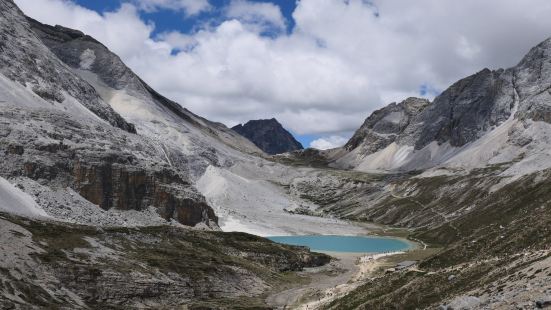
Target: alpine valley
(115,197)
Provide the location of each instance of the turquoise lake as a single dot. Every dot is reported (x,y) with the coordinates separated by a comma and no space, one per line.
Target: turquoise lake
(351,244)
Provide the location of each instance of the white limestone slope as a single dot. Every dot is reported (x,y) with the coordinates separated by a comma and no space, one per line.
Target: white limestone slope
(15,201)
(257,206)
(158,123)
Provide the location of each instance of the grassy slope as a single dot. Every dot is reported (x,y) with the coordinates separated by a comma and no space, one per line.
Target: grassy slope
(206,269)
(483,246)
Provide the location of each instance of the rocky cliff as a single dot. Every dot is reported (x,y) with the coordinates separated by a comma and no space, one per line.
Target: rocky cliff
(499,107)
(384,126)
(269,136)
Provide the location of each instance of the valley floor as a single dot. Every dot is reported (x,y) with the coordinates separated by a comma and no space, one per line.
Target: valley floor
(326,282)
(344,274)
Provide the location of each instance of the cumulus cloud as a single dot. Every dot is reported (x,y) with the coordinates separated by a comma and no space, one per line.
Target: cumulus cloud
(329,142)
(342,60)
(263,16)
(190,7)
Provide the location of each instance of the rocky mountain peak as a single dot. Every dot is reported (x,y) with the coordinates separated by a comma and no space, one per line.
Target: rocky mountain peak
(487,104)
(269,135)
(383,126)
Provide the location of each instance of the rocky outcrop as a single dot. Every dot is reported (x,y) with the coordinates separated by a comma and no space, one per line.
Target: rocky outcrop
(533,83)
(118,186)
(269,136)
(385,125)
(466,110)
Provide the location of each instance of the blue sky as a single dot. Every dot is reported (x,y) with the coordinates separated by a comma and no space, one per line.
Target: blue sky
(168,20)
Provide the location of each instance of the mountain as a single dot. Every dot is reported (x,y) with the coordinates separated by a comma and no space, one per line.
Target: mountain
(59,135)
(488,118)
(269,136)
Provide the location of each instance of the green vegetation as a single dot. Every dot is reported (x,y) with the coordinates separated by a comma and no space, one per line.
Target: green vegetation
(479,247)
(165,265)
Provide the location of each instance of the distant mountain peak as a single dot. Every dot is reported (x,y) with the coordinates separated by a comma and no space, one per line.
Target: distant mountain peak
(269,135)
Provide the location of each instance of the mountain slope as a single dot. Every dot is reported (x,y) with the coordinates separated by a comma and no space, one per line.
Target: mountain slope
(60,138)
(24,59)
(269,136)
(488,118)
(467,174)
(112,217)
(207,142)
(74,161)
(198,150)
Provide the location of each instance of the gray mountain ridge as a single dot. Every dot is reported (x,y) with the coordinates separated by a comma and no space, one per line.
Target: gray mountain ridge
(269,136)
(462,114)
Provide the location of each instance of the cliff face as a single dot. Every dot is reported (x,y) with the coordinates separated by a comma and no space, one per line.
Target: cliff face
(269,136)
(127,188)
(384,126)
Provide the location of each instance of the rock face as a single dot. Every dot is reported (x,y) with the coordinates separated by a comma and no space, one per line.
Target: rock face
(490,110)
(26,60)
(384,126)
(269,136)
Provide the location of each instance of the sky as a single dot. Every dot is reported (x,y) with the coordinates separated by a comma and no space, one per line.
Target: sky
(319,66)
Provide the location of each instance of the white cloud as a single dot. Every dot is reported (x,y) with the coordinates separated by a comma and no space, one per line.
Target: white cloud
(326,143)
(262,15)
(343,59)
(190,7)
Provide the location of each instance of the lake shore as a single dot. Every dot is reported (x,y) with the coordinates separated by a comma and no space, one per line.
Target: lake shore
(345,273)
